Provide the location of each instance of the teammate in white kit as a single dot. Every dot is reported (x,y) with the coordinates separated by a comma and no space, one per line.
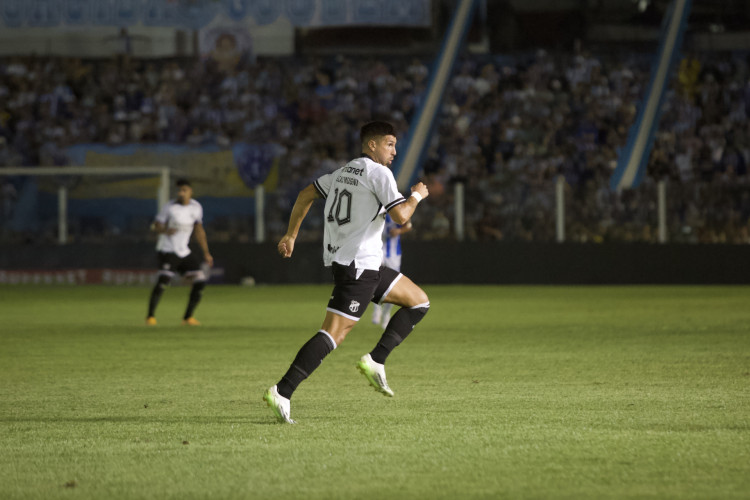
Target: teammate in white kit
(358,195)
(381,314)
(174,224)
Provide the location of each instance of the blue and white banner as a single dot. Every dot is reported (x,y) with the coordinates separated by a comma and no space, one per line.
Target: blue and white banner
(254,162)
(633,159)
(195,14)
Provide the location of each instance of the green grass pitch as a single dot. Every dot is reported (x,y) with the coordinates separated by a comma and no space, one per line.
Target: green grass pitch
(501,392)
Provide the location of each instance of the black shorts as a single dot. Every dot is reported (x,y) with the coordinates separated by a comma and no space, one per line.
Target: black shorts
(170,264)
(350,295)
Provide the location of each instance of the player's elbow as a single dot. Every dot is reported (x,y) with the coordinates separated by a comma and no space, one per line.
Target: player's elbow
(399,215)
(401,220)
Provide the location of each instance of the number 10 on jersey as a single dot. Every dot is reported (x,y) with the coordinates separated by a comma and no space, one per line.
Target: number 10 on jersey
(339,199)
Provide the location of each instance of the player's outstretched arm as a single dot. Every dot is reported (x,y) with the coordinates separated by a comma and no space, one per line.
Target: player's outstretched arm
(403,212)
(305,199)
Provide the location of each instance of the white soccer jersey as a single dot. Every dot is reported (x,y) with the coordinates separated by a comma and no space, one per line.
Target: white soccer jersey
(182,218)
(358,195)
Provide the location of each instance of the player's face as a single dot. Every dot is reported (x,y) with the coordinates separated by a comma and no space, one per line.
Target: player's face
(383,149)
(184,193)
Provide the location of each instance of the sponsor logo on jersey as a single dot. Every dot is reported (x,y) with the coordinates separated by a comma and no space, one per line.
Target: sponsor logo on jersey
(352,170)
(333,249)
(354,306)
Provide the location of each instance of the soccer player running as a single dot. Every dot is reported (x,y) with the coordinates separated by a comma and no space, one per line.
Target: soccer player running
(358,195)
(392,259)
(174,224)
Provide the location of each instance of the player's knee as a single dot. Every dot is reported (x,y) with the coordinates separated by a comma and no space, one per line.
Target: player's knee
(339,335)
(341,331)
(420,298)
(163,281)
(419,311)
(337,326)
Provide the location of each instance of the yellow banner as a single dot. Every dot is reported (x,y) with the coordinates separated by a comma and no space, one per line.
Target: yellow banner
(212,173)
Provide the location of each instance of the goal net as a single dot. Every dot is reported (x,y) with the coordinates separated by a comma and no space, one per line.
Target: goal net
(81,203)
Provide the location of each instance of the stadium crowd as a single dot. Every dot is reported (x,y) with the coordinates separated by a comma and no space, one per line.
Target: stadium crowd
(508,126)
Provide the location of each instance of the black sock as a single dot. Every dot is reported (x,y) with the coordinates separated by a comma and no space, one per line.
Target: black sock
(161,283)
(399,327)
(307,360)
(195,296)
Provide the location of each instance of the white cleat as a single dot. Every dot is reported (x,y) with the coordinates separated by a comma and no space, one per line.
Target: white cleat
(375,374)
(280,405)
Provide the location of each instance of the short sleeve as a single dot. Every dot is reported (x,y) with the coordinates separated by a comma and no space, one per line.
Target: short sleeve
(163,214)
(323,184)
(198,213)
(385,188)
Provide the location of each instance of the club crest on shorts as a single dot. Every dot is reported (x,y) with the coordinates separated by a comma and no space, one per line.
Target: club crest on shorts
(354,306)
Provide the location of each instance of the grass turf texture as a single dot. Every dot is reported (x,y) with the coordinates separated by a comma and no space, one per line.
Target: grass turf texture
(512,392)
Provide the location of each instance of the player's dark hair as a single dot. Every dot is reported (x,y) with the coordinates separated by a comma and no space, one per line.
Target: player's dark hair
(183,182)
(376,129)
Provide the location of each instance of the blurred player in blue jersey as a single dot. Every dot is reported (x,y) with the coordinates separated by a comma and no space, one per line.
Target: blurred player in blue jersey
(381,314)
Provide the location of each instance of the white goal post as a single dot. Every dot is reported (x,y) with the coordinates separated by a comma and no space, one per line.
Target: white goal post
(162,195)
